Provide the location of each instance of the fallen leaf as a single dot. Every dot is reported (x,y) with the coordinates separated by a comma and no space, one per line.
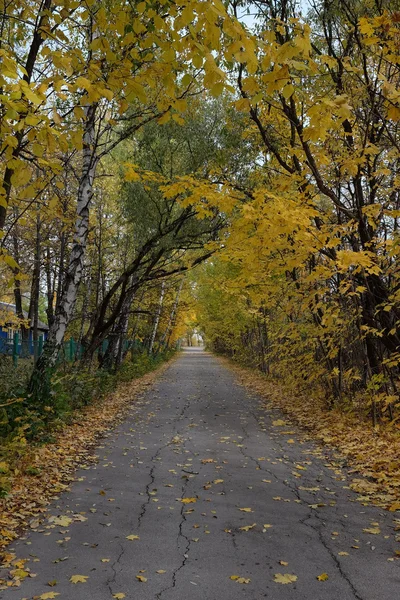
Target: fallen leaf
(283,563)
(246,509)
(239,579)
(218,481)
(79,578)
(187,500)
(119,595)
(373,530)
(161,571)
(279,423)
(323,577)
(343,553)
(285,578)
(132,537)
(247,527)
(141,578)
(63,521)
(49,595)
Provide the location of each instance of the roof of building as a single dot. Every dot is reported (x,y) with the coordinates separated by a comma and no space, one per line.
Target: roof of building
(11,307)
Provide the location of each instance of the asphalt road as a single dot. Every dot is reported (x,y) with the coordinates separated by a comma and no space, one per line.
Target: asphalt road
(199,437)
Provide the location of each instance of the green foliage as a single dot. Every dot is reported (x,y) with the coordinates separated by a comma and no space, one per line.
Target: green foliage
(23,425)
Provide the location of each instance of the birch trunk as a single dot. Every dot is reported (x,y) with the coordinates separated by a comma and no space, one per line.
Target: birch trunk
(73,275)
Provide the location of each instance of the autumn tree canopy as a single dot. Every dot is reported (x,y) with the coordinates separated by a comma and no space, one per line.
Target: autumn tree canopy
(252,145)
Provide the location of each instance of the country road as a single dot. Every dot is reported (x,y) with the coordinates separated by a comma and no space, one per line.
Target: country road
(200,484)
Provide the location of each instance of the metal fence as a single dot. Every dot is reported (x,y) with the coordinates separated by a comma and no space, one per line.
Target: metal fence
(70,352)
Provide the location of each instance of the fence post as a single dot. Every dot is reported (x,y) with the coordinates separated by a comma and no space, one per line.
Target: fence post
(15,348)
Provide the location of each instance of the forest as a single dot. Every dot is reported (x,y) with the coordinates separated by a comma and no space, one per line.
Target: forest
(171,166)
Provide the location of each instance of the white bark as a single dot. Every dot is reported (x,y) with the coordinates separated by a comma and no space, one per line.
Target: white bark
(74,271)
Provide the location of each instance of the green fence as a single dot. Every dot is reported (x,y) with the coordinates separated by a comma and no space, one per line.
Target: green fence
(71,350)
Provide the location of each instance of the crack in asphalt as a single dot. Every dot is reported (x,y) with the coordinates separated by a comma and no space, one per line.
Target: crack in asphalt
(113,579)
(180,535)
(295,490)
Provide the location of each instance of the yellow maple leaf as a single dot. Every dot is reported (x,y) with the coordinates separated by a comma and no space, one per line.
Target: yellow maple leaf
(323,577)
(79,578)
(284,578)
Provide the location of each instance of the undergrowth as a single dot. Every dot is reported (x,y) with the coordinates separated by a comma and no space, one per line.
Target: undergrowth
(25,425)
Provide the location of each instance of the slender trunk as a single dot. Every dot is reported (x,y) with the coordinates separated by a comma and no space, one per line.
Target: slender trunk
(157,317)
(84,316)
(113,357)
(171,322)
(18,300)
(73,275)
(36,291)
(50,288)
(61,268)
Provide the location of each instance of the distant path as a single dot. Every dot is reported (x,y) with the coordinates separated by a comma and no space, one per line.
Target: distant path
(198,435)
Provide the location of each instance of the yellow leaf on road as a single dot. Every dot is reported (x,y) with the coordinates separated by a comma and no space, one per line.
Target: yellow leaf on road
(373,530)
(187,500)
(49,595)
(132,537)
(239,579)
(323,577)
(247,527)
(79,578)
(246,509)
(63,521)
(119,595)
(141,578)
(285,578)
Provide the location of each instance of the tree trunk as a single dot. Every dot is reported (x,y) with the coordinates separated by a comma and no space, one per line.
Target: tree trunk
(157,317)
(171,322)
(18,301)
(73,275)
(36,292)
